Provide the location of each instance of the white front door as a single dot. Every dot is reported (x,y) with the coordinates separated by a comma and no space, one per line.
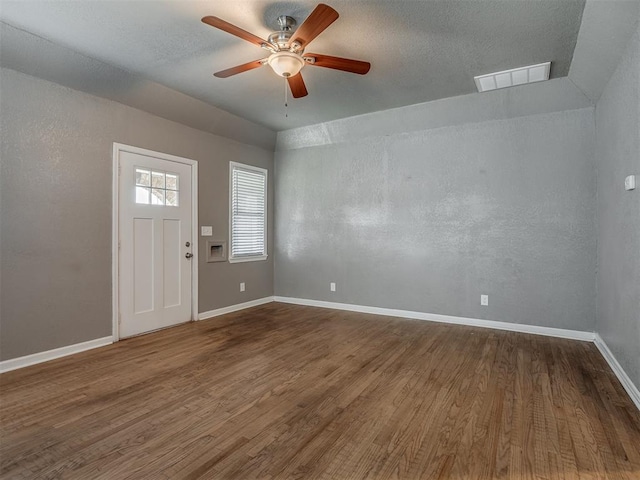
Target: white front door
(155,244)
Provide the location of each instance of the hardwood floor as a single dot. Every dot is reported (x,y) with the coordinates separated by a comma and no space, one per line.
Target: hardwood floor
(283,391)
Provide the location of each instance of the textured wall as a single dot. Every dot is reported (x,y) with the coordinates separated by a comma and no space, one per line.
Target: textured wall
(604,33)
(56,211)
(618,155)
(555,95)
(429,220)
(33,55)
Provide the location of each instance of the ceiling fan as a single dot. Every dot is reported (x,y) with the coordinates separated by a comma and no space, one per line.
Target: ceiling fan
(287,48)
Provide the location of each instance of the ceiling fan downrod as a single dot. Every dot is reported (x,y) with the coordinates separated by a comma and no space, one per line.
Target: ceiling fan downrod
(286,23)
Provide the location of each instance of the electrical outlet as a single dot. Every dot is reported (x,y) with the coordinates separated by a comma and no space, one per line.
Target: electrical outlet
(484,300)
(332,286)
(242,286)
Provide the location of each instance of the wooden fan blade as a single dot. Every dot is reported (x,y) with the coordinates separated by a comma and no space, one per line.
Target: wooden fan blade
(239,69)
(321,17)
(297,86)
(233,30)
(338,63)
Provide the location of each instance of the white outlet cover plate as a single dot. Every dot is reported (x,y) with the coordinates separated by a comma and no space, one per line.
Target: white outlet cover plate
(206,231)
(484,300)
(630,182)
(332,287)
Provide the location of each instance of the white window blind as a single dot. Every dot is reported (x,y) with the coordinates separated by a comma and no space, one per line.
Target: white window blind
(248,212)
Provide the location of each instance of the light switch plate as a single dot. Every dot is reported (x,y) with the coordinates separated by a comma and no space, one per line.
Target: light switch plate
(206,231)
(630,182)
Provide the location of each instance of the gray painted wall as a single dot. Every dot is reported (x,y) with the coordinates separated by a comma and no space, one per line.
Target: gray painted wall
(606,28)
(555,95)
(429,220)
(55,214)
(618,155)
(33,55)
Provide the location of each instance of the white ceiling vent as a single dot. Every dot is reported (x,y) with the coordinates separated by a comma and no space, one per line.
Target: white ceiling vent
(513,77)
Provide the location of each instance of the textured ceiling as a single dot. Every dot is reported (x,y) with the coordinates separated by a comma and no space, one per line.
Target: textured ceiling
(419,50)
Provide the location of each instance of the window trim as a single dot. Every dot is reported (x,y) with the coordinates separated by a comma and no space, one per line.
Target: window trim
(253,258)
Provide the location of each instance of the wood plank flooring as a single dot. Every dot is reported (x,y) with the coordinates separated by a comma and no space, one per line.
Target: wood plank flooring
(284,391)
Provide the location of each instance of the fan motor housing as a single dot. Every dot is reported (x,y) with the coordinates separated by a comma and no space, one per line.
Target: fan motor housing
(280,39)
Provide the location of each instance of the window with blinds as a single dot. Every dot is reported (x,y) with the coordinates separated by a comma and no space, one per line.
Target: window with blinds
(248,213)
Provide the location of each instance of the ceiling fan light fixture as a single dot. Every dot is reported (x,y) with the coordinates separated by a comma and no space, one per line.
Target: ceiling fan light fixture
(286,64)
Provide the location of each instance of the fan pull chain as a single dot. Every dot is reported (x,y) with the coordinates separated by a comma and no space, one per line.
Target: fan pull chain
(286,104)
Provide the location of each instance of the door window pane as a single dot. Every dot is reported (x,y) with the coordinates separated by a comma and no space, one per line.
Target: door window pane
(157,196)
(171,198)
(143,177)
(157,179)
(172,181)
(142,195)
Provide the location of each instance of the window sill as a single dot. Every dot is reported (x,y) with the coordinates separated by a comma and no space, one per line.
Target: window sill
(248,259)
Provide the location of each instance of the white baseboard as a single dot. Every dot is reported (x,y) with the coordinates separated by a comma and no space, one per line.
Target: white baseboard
(35,358)
(234,308)
(632,390)
(27,360)
(435,317)
(626,382)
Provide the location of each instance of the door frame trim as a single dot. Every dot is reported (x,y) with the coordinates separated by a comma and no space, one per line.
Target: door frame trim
(118,148)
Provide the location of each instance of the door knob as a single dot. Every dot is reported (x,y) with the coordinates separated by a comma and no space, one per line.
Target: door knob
(189,255)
